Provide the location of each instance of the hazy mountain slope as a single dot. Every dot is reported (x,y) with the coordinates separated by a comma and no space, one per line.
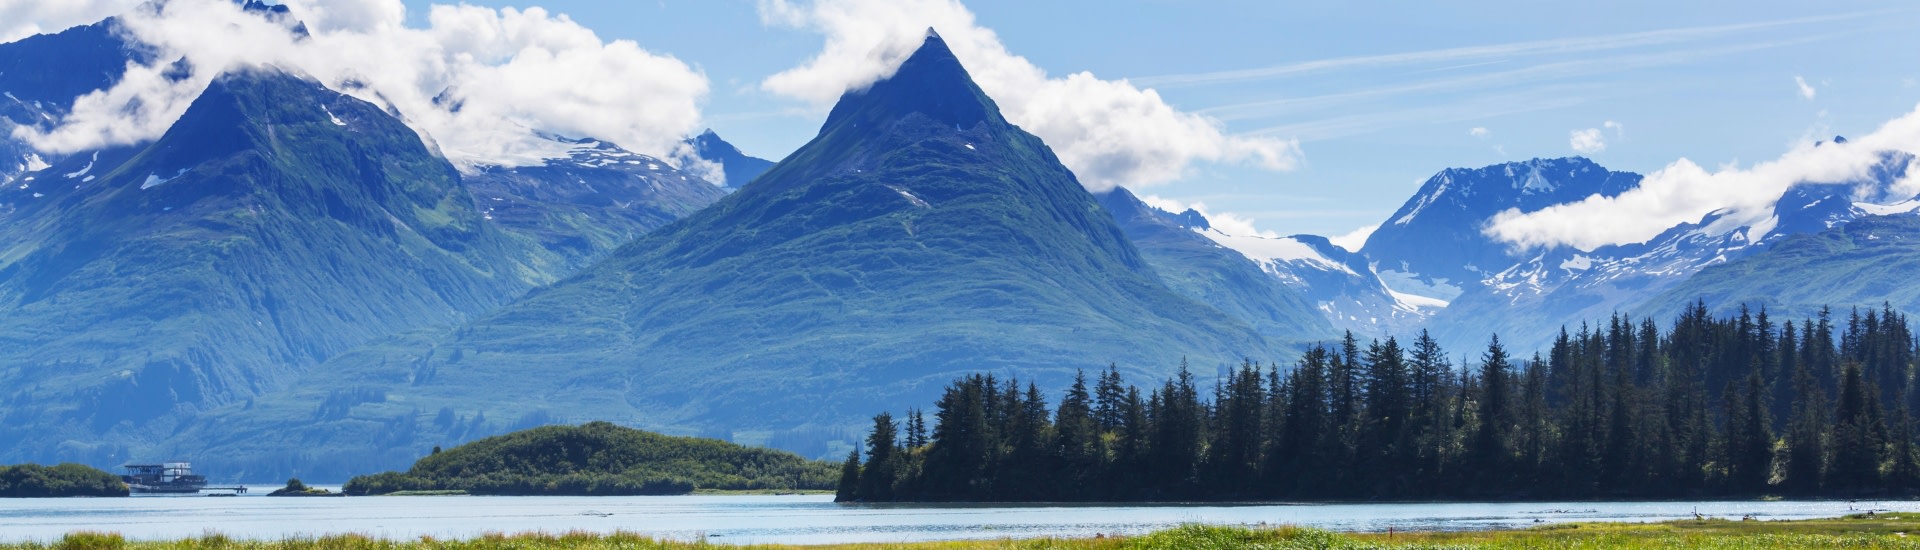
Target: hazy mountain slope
(582,207)
(276,224)
(1865,263)
(1217,276)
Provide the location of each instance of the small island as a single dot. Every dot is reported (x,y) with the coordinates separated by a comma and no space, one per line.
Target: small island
(65,480)
(296,488)
(599,459)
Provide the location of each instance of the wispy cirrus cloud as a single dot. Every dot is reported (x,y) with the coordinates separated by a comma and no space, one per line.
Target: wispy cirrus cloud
(1532,74)
(1467,109)
(1514,49)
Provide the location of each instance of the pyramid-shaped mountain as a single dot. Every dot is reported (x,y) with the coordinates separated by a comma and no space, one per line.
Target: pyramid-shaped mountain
(920,236)
(276,224)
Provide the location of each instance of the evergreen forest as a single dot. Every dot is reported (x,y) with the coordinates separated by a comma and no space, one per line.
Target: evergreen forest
(1735,406)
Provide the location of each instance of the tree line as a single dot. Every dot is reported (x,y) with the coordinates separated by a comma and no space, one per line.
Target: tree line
(64,480)
(1729,406)
(598,458)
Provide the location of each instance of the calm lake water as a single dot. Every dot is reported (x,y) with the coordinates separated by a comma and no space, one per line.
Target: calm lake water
(801,519)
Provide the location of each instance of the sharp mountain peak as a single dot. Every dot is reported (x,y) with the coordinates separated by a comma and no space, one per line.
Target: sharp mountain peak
(931,82)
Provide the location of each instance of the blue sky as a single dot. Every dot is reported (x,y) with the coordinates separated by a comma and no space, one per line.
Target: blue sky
(1379,96)
(1371,132)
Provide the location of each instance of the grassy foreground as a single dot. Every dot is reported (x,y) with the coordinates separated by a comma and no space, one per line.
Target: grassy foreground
(1882,531)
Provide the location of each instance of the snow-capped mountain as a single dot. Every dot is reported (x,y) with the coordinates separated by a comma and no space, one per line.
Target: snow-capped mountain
(1433,246)
(1337,285)
(1342,285)
(39,78)
(596,198)
(1527,301)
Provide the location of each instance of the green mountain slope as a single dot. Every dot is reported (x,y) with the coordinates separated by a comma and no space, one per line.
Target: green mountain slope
(275,225)
(1866,263)
(918,237)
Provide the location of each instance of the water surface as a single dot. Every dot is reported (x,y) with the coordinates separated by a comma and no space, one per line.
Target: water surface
(807,519)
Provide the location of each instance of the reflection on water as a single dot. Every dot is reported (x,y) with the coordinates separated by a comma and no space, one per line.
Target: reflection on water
(804,519)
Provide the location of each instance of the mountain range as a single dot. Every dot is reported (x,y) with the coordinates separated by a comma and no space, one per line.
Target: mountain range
(292,280)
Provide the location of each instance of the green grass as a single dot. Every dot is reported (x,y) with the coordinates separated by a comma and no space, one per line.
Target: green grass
(1882,531)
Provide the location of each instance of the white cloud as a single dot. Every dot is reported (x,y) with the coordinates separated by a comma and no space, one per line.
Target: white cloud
(1226,222)
(512,74)
(1479,132)
(1806,91)
(1352,241)
(1111,133)
(1684,192)
(23,18)
(688,159)
(1618,130)
(1588,141)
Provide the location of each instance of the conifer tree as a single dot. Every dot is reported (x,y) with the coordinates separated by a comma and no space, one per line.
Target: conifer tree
(877,475)
(1490,441)
(1075,431)
(849,488)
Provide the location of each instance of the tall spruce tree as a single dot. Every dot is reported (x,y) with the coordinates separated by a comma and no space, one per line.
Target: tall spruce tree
(1490,442)
(877,475)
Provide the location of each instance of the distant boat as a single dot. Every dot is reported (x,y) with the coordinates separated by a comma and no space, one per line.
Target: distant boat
(167,478)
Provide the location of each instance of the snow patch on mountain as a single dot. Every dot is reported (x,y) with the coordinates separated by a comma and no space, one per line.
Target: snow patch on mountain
(912,198)
(1902,207)
(1269,251)
(1414,303)
(154,180)
(84,169)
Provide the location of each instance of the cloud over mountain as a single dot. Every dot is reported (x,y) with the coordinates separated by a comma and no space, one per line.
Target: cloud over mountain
(1684,192)
(484,84)
(23,18)
(1110,132)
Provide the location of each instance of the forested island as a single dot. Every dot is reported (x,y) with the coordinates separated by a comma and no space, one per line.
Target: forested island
(65,480)
(1737,406)
(598,458)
